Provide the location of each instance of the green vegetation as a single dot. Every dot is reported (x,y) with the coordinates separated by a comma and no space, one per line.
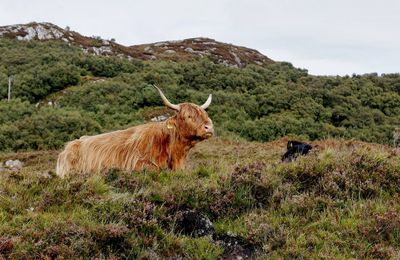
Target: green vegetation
(259,103)
(340,202)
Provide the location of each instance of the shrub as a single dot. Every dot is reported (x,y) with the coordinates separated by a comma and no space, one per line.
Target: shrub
(48,128)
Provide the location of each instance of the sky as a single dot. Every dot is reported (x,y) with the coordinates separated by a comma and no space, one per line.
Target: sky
(326,37)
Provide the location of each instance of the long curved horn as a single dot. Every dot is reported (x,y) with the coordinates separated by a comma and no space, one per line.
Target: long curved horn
(165,100)
(208,102)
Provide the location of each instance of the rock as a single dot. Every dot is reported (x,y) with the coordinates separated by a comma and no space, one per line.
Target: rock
(235,247)
(160,44)
(237,59)
(175,41)
(209,43)
(199,39)
(159,118)
(170,52)
(195,224)
(200,53)
(14,165)
(190,50)
(103,50)
(148,49)
(44,31)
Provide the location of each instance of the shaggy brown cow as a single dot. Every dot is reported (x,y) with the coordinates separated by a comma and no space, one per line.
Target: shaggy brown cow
(153,146)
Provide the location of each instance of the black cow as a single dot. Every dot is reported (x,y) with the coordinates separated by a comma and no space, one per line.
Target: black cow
(294,149)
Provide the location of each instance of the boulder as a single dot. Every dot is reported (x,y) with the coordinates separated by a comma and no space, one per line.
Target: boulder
(14,165)
(195,224)
(170,52)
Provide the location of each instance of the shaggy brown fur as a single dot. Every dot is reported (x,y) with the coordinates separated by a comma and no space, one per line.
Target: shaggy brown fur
(154,146)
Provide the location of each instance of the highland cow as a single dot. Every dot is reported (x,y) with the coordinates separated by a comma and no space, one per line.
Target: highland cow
(294,149)
(152,146)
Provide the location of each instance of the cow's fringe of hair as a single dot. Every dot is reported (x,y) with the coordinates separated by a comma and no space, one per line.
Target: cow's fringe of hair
(68,159)
(144,146)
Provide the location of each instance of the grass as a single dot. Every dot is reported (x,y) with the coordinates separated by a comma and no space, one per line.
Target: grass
(341,201)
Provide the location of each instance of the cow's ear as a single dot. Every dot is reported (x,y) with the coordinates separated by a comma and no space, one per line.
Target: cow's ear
(171,123)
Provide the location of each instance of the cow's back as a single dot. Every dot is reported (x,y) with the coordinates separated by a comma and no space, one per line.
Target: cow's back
(132,149)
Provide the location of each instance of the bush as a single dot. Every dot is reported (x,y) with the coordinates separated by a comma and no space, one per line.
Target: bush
(259,103)
(48,128)
(14,110)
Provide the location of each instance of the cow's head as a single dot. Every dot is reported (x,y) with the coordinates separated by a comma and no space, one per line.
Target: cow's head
(191,121)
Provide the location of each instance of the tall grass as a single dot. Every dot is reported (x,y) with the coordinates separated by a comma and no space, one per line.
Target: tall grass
(341,201)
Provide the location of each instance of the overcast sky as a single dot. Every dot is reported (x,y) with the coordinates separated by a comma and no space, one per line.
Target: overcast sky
(327,37)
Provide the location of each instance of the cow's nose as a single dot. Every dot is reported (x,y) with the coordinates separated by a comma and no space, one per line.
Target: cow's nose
(209,128)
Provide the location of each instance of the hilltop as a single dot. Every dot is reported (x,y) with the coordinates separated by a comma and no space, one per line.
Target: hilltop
(50,32)
(182,50)
(222,53)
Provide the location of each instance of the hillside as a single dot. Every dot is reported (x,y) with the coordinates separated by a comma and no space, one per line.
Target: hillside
(90,94)
(236,199)
(183,50)
(339,202)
